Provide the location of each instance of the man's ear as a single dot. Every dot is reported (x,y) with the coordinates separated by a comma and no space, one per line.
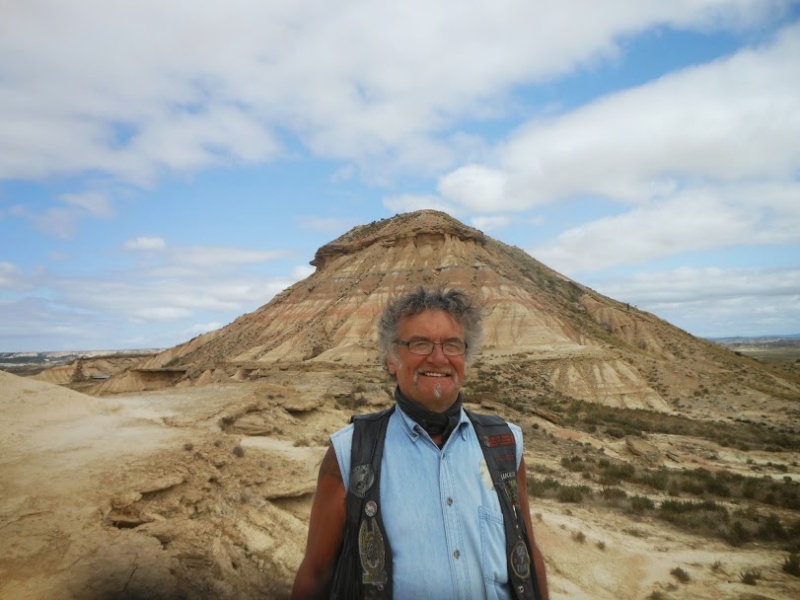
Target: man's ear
(391,364)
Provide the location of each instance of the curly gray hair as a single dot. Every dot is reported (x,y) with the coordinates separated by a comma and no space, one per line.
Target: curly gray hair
(454,302)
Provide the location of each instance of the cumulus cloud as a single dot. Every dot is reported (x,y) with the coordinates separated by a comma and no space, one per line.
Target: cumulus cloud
(212,257)
(713,302)
(177,89)
(180,286)
(695,219)
(733,120)
(95,204)
(145,242)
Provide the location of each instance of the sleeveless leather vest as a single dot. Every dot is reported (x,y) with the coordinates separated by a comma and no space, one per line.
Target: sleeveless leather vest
(364,566)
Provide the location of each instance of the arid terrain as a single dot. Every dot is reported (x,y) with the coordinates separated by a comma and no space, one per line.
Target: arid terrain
(659,465)
(204,492)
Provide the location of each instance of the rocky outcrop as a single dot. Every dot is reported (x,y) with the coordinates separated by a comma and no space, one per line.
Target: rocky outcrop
(643,449)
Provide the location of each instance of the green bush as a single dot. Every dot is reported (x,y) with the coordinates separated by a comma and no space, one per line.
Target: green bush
(640,504)
(538,488)
(737,534)
(791,564)
(573,493)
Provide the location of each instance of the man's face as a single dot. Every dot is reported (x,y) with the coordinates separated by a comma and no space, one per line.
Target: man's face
(432,380)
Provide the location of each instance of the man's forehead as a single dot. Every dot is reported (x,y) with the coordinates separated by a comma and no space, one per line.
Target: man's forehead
(429,320)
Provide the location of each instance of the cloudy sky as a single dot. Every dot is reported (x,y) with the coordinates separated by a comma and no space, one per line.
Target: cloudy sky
(168,166)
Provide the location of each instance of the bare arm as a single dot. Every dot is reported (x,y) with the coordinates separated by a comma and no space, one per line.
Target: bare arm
(325,532)
(538,559)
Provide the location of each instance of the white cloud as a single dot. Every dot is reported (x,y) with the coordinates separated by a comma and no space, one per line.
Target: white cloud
(476,187)
(716,302)
(732,120)
(95,204)
(212,257)
(145,242)
(178,89)
(160,313)
(700,218)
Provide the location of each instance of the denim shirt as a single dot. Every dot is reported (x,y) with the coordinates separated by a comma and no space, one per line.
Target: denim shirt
(440,510)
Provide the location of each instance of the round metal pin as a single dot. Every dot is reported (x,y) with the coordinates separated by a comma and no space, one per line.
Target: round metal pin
(371,508)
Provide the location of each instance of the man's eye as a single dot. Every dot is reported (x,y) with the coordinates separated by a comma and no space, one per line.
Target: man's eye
(454,347)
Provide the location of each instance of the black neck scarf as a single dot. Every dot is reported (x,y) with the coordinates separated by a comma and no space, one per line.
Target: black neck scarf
(432,422)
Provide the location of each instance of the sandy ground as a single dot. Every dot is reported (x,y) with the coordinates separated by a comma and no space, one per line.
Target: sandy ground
(205,493)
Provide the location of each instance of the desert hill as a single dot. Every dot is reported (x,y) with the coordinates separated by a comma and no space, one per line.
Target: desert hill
(568,339)
(659,465)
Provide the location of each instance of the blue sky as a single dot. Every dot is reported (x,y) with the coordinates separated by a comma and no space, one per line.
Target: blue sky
(168,166)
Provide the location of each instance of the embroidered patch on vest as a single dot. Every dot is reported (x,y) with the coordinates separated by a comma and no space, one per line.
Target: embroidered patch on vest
(494,441)
(371,550)
(361,479)
(512,489)
(519,560)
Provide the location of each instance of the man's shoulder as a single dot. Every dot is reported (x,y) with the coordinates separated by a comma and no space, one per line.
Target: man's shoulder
(345,434)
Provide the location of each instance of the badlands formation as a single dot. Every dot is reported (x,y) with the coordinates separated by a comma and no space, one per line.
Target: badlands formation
(189,473)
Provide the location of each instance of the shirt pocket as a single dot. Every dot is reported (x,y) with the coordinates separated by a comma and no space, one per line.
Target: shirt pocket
(493,546)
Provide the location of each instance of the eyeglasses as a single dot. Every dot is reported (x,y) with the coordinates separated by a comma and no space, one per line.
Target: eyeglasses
(425,347)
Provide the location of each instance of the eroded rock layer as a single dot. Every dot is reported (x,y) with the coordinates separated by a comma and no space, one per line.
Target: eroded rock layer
(530,310)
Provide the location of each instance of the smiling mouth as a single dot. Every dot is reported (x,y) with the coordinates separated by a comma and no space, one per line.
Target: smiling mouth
(434,374)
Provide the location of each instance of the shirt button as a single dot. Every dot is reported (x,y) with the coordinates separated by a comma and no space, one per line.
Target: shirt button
(449,502)
(456,554)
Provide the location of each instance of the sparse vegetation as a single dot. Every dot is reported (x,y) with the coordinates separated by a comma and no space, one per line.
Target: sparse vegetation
(750,576)
(238,451)
(616,423)
(791,564)
(703,516)
(681,575)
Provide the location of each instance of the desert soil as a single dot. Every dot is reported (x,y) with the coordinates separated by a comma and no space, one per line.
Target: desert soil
(205,492)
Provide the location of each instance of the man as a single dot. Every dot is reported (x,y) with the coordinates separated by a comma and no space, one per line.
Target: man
(426,516)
